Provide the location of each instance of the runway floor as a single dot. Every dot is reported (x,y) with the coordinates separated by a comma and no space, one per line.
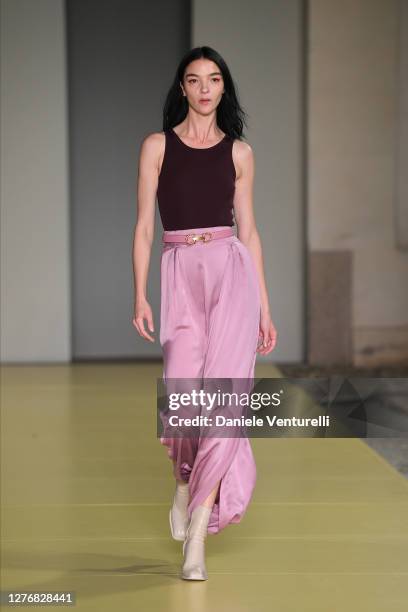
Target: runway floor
(86,489)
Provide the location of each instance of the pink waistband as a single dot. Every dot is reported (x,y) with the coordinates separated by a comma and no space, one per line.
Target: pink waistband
(193,238)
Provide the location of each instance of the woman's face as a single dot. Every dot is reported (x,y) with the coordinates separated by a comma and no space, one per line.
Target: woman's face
(203,85)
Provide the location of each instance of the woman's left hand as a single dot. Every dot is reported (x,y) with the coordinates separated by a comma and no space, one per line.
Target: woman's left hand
(267,335)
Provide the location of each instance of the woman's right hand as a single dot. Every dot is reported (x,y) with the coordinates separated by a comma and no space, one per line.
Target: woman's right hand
(143,311)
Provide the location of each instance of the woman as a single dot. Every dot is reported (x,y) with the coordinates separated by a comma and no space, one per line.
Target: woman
(214,301)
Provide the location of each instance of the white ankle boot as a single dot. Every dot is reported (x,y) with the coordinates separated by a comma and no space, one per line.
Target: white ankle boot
(178,515)
(193,547)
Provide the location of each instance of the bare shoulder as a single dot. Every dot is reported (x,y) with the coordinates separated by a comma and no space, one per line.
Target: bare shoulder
(242,151)
(243,156)
(242,147)
(152,150)
(153,142)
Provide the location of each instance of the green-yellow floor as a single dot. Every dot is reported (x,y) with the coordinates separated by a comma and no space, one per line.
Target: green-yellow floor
(86,488)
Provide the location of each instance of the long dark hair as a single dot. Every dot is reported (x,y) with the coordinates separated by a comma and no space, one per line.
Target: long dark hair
(230,115)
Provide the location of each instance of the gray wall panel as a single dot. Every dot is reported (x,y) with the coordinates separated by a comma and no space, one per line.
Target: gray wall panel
(263,44)
(122,56)
(35,292)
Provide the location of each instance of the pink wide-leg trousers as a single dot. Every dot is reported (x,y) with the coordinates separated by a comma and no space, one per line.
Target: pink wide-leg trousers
(209,328)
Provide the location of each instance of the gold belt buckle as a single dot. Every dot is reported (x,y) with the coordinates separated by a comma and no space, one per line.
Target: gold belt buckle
(193,238)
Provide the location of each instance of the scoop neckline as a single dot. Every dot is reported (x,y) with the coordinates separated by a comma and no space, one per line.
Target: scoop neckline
(197,148)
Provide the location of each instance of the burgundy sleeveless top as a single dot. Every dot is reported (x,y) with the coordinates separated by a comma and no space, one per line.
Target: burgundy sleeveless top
(196,186)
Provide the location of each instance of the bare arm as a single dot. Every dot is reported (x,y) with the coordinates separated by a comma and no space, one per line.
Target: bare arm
(248,233)
(147,180)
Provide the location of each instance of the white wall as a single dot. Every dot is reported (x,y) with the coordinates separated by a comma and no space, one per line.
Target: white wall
(401,217)
(35,296)
(352,159)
